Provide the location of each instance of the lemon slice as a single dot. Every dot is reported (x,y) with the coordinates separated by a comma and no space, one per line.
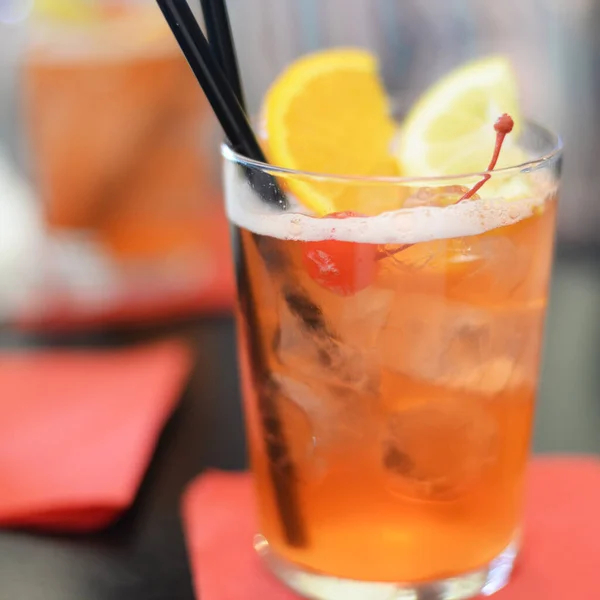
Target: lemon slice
(450,130)
(328,113)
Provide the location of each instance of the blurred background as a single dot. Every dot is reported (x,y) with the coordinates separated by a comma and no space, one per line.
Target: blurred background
(110,183)
(112,231)
(109,167)
(111,197)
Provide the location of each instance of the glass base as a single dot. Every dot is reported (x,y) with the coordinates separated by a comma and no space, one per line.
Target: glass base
(310,584)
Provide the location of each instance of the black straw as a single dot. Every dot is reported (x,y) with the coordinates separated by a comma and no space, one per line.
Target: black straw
(198,53)
(220,94)
(281,467)
(213,72)
(220,38)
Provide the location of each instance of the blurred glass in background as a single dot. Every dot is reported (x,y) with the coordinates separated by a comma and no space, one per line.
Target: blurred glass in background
(108,149)
(121,149)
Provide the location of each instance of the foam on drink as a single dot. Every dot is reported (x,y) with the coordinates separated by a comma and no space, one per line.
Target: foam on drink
(404,226)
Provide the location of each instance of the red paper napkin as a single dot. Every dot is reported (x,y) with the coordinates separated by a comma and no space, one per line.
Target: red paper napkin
(560,558)
(78,428)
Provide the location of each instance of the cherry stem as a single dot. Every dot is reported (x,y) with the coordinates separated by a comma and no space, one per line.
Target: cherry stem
(381,254)
(503,126)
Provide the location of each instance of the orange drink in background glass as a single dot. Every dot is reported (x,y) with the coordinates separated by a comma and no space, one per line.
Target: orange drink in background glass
(391,330)
(123,142)
(123,151)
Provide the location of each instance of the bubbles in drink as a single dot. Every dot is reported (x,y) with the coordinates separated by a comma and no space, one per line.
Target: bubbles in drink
(437,451)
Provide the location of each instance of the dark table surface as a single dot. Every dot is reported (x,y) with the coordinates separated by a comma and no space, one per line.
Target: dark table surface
(143,556)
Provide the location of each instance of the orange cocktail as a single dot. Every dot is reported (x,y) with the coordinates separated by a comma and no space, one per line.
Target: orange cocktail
(391,333)
(410,428)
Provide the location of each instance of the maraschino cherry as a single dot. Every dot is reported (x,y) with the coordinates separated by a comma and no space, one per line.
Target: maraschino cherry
(342,267)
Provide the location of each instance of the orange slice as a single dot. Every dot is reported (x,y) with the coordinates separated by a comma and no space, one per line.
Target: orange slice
(328,113)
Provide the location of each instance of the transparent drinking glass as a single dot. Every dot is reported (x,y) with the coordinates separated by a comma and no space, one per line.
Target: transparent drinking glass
(389,406)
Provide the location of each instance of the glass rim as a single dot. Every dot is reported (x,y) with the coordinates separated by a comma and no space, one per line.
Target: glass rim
(556,142)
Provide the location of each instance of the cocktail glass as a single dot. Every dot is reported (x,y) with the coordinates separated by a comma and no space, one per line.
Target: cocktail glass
(389,413)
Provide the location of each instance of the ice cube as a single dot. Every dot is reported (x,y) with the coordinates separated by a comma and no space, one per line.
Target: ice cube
(453,344)
(321,353)
(499,269)
(323,421)
(359,319)
(438,450)
(314,406)
(489,378)
(303,414)
(334,412)
(436,196)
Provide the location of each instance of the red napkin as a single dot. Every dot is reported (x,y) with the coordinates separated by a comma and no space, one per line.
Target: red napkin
(78,428)
(560,558)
